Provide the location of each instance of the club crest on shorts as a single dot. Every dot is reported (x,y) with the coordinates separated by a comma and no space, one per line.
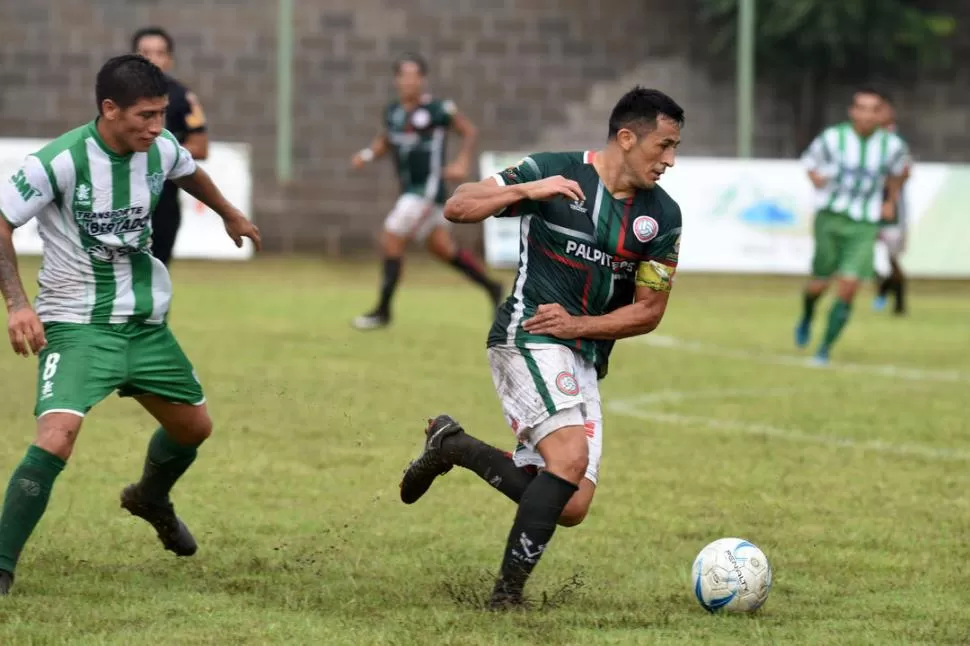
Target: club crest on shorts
(567,384)
(645,228)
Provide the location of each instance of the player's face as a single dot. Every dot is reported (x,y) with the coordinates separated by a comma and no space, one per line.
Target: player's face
(139,125)
(650,154)
(409,81)
(887,118)
(866,113)
(155,49)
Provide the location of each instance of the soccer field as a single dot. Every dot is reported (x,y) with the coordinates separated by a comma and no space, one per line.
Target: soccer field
(853,479)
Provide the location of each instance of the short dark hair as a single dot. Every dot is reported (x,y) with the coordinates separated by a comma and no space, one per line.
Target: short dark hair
(640,107)
(128,78)
(153,31)
(410,57)
(873,90)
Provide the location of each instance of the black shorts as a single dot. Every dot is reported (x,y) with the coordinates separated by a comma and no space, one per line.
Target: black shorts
(165,222)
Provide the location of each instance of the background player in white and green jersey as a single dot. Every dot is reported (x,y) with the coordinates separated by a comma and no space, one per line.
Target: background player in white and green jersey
(100,320)
(857,168)
(598,252)
(415,130)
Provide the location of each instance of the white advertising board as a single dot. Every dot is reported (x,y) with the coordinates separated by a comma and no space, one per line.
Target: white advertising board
(756,216)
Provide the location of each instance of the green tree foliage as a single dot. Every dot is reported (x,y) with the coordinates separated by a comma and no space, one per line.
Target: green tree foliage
(803,46)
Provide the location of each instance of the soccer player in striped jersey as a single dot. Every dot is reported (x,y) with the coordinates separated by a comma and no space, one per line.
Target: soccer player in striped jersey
(857,168)
(415,129)
(893,236)
(98,324)
(598,253)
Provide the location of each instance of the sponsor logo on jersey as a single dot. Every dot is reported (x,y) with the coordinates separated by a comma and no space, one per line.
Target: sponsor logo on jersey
(115,222)
(82,195)
(645,228)
(567,384)
(598,256)
(577,205)
(24,188)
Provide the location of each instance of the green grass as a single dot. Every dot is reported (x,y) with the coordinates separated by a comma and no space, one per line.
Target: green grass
(304,541)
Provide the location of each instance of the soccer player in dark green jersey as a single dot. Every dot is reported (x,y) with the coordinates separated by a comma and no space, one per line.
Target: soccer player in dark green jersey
(598,251)
(415,129)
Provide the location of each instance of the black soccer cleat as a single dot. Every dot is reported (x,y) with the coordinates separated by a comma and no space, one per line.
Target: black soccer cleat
(422,471)
(6,582)
(506,598)
(173,533)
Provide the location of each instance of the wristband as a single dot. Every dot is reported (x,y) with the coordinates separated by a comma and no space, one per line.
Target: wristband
(366,154)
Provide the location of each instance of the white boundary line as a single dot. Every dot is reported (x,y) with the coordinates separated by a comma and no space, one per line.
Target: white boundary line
(912,374)
(633,408)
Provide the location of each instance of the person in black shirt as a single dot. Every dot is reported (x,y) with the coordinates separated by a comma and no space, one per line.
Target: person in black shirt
(186,120)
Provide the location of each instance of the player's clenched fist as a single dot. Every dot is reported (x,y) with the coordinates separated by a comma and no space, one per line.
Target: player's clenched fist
(26,332)
(550,187)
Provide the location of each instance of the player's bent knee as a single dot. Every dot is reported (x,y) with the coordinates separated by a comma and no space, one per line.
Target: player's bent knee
(574,513)
(57,433)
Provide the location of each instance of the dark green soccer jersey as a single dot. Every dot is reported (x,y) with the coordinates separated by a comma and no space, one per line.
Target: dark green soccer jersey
(588,256)
(418,140)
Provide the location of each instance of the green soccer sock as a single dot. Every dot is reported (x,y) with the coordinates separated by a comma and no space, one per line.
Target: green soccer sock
(838,317)
(808,307)
(167,460)
(27,495)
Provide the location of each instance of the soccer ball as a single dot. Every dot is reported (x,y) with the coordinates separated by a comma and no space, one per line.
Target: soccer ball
(733,575)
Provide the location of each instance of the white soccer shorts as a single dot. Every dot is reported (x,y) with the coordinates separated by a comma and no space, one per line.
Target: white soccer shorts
(892,237)
(542,389)
(414,217)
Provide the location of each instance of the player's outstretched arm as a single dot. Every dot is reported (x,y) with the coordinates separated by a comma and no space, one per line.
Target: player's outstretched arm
(476,201)
(24,328)
(200,186)
(377,149)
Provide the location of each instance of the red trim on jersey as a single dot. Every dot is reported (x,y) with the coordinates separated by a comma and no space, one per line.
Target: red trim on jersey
(621,241)
(575,264)
(589,156)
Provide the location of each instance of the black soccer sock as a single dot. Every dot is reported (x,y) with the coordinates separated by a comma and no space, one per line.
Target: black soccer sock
(535,523)
(392,272)
(165,463)
(885,285)
(808,307)
(492,465)
(468,265)
(899,290)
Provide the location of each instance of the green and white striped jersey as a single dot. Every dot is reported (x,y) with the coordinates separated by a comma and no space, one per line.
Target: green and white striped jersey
(93,209)
(857,169)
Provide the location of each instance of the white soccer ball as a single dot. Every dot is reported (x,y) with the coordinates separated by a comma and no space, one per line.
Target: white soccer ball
(733,575)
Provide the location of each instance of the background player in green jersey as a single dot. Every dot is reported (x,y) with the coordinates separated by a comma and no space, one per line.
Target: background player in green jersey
(598,252)
(99,324)
(415,128)
(858,170)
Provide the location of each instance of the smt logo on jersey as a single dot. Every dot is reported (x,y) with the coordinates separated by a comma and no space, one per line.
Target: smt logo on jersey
(645,228)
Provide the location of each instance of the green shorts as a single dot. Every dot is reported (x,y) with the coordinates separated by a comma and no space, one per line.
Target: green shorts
(843,247)
(83,363)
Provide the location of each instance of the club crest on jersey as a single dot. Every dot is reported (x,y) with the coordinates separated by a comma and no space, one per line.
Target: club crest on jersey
(421,118)
(567,384)
(645,228)
(155,182)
